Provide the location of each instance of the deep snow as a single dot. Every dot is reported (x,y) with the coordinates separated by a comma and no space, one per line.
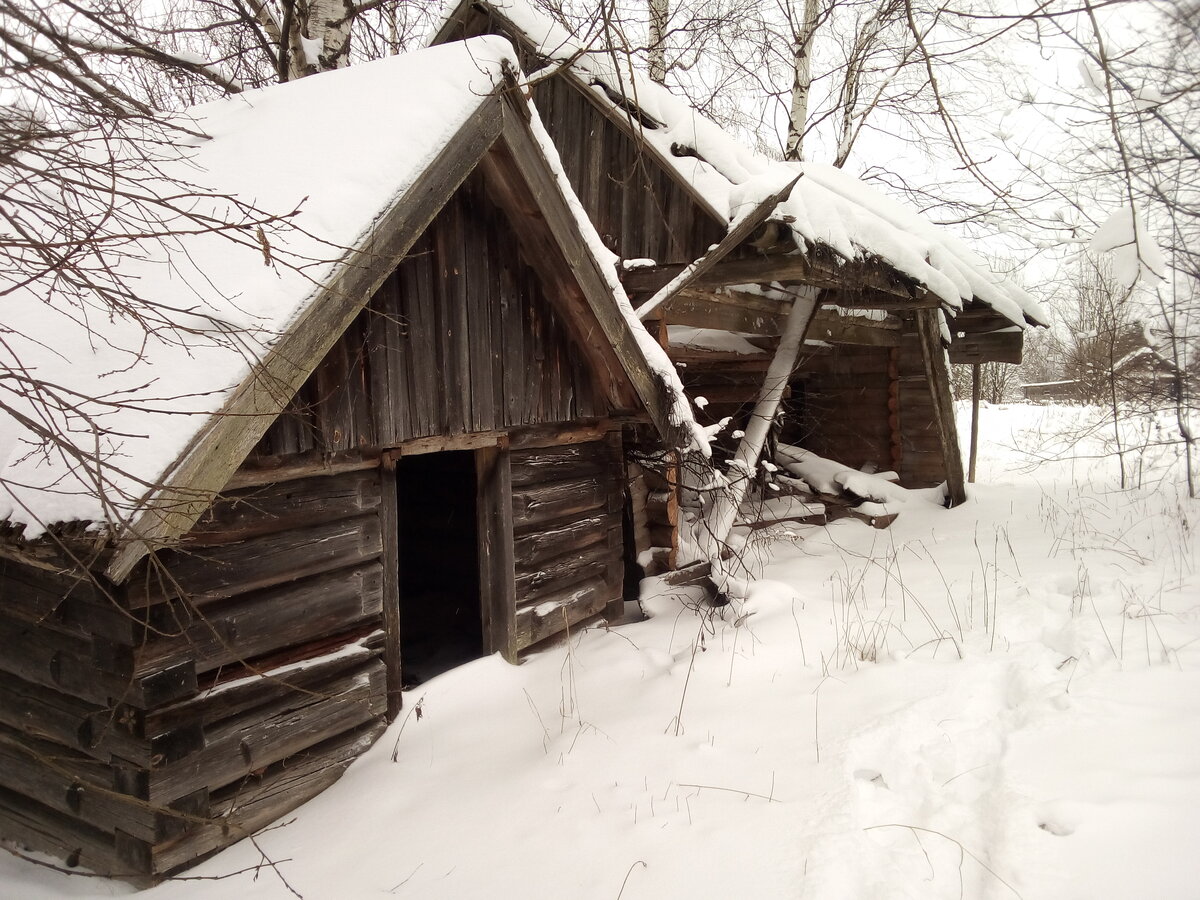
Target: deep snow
(1001,700)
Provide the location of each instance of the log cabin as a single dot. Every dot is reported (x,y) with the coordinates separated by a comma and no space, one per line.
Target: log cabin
(408,452)
(887,298)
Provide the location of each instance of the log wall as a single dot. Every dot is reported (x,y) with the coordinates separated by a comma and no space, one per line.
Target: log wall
(231,680)
(568,550)
(461,338)
(844,406)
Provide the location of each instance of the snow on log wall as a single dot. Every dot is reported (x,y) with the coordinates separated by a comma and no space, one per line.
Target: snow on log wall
(568,547)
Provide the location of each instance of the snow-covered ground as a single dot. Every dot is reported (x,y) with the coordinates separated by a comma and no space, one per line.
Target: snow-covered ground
(1001,700)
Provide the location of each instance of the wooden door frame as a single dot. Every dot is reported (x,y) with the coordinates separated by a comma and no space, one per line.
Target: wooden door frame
(494,547)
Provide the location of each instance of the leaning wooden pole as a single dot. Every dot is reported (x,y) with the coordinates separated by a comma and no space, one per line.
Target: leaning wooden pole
(723,512)
(937,373)
(975,392)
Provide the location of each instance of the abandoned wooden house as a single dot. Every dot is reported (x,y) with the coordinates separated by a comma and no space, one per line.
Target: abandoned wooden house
(410,455)
(725,275)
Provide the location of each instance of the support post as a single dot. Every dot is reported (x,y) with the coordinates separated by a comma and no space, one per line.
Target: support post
(389,525)
(723,513)
(937,372)
(976,389)
(497,573)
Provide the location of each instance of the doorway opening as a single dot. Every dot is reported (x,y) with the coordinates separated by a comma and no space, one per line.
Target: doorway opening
(441,624)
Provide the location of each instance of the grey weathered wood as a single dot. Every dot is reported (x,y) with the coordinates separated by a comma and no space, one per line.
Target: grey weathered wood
(237,747)
(980,347)
(537,505)
(210,573)
(260,471)
(33,825)
(280,506)
(554,539)
(267,685)
(250,625)
(854,284)
(831,326)
(552,614)
(496,551)
(389,526)
(262,799)
(563,570)
(591,285)
(975,397)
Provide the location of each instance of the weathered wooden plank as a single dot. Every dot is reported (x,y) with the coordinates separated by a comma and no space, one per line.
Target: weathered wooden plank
(511,311)
(32,825)
(874,285)
(256,512)
(537,505)
(224,570)
(237,747)
(833,327)
(421,337)
(543,465)
(389,364)
(64,663)
(536,547)
(585,297)
(74,785)
(555,613)
(250,625)
(571,567)
(262,798)
(33,594)
(496,551)
(261,471)
(266,685)
(746,225)
(558,435)
(997,346)
(389,521)
(451,442)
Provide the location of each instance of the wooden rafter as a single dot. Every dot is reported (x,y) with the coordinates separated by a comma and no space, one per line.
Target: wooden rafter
(739,232)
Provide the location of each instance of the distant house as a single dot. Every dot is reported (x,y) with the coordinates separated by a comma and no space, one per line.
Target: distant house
(663,185)
(1050,391)
(413,455)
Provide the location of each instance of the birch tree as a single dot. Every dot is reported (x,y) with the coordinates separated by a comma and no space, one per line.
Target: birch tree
(804,33)
(656,45)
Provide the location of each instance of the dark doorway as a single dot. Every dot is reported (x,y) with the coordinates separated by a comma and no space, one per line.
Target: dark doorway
(440,619)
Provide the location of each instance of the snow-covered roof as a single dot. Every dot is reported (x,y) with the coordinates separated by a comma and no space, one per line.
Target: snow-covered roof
(828,206)
(345,147)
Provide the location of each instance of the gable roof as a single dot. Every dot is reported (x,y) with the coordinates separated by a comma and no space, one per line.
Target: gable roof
(369,154)
(828,209)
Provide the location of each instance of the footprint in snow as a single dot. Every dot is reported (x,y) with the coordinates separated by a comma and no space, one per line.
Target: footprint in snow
(870,775)
(1057,819)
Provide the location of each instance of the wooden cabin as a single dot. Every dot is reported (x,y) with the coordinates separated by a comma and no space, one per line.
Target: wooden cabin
(426,464)
(662,184)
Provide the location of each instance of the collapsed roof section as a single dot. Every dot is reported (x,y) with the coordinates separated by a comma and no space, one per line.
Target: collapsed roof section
(831,215)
